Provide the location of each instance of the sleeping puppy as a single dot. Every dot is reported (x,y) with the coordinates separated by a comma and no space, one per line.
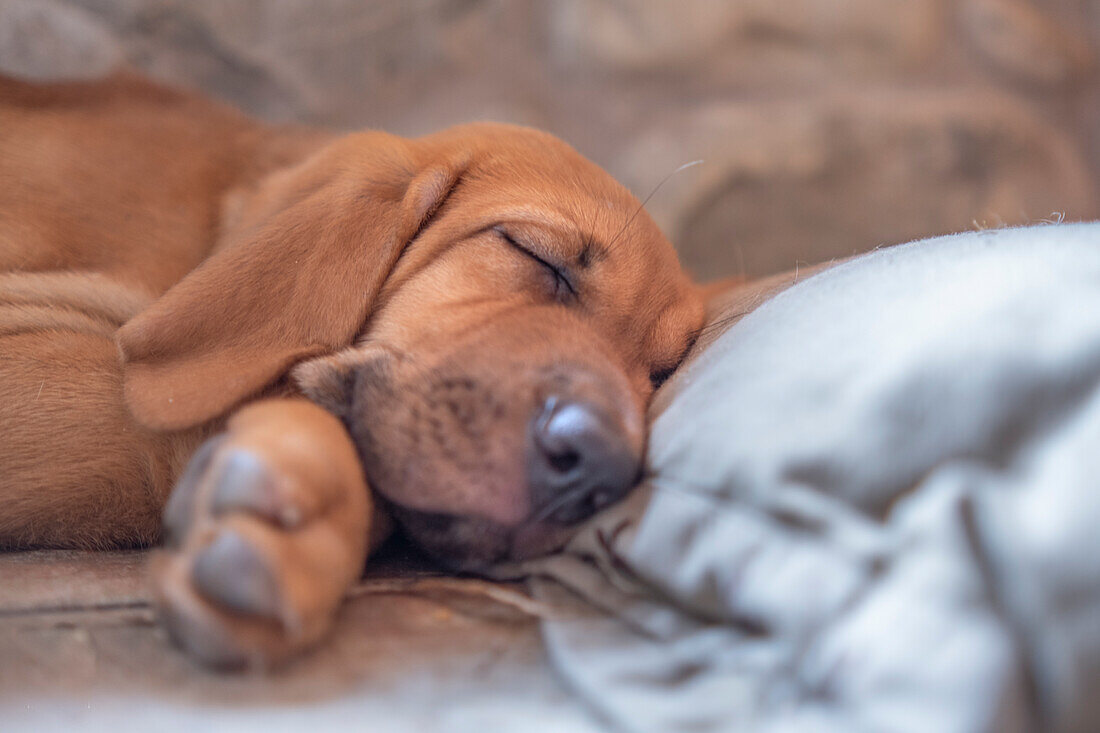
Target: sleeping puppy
(270,320)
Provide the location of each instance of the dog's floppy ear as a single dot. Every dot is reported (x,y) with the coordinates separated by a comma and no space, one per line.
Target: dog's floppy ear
(297,278)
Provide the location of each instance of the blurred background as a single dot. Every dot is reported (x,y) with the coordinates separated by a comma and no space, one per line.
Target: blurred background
(826,127)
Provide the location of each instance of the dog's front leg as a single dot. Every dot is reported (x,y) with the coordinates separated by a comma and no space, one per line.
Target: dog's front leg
(265,531)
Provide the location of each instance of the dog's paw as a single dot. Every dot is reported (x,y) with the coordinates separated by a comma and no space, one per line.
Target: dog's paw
(264,532)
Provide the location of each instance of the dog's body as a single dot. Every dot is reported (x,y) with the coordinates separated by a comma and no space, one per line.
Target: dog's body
(473,316)
(87,241)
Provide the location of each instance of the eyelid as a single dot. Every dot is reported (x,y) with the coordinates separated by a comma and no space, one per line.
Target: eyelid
(558,271)
(657,377)
(660,375)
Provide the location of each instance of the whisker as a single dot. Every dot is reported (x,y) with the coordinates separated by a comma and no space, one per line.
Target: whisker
(647,198)
(718,324)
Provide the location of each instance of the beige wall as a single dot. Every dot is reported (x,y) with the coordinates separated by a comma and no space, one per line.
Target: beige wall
(826,126)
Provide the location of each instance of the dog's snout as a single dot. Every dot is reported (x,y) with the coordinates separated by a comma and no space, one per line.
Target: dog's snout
(579,461)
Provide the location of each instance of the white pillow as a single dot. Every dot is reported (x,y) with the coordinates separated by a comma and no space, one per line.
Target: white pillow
(874,502)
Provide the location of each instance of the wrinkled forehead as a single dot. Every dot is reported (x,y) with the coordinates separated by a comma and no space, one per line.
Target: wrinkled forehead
(523,161)
(630,276)
(531,176)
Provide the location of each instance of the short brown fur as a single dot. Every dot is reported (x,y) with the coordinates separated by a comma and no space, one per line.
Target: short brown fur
(175,274)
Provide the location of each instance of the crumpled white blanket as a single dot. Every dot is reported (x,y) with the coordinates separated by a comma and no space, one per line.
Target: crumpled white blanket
(873,504)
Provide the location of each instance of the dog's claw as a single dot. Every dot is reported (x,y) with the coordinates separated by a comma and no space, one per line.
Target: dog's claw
(246,484)
(230,573)
(180,509)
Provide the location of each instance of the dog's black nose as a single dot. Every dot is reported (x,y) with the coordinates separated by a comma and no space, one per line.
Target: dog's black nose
(579,461)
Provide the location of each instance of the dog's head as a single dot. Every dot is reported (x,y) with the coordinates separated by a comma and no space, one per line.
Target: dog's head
(486,310)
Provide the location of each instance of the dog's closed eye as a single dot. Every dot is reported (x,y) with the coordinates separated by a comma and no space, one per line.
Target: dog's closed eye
(563,288)
(659,376)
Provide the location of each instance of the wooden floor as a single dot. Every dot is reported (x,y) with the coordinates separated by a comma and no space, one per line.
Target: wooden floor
(80,649)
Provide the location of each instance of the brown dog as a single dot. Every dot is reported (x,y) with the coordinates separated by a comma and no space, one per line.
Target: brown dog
(476,317)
